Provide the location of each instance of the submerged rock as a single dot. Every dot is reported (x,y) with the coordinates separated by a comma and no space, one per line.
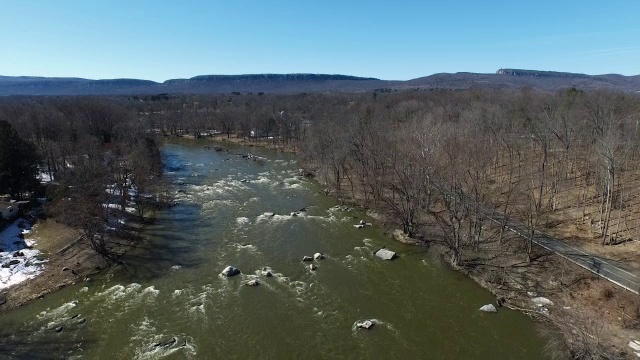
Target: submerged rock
(252,283)
(318,256)
(312,267)
(58,329)
(267,273)
(230,271)
(488,308)
(169,342)
(366,324)
(307,258)
(358,226)
(269,214)
(385,254)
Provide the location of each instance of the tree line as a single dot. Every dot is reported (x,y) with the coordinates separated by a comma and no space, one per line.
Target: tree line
(90,152)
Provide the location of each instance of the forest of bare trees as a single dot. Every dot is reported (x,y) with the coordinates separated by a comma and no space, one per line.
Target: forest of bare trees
(88,152)
(447,158)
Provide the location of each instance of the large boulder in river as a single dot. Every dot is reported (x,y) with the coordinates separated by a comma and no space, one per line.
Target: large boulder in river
(385,254)
(318,256)
(230,271)
(489,308)
(307,258)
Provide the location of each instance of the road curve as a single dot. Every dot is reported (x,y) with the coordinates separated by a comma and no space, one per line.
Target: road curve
(611,270)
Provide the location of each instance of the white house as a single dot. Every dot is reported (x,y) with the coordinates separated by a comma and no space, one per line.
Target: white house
(8,210)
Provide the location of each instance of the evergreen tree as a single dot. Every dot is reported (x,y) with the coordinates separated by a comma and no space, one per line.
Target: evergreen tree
(18,163)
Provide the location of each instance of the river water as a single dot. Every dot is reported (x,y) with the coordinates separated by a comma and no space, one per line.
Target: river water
(169,300)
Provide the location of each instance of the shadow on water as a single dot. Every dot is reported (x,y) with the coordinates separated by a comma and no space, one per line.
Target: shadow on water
(152,262)
(154,258)
(21,344)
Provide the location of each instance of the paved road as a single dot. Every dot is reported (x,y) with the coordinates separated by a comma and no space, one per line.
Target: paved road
(611,270)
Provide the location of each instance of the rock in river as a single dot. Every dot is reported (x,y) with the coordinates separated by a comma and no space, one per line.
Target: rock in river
(385,254)
(230,271)
(307,258)
(166,343)
(267,273)
(365,324)
(318,256)
(312,267)
(489,308)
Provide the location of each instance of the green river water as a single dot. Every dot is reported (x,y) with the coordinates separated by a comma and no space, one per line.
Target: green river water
(169,300)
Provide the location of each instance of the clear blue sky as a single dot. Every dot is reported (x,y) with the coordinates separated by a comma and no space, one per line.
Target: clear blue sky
(159,40)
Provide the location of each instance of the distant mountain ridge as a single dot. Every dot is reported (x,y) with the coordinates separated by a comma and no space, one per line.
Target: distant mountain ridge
(295,83)
(538,73)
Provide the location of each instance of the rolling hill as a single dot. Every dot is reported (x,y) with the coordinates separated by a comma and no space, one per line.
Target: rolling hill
(295,83)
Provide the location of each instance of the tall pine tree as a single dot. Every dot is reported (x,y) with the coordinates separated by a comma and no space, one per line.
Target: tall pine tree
(18,163)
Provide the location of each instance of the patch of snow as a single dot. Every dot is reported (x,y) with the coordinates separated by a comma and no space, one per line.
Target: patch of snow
(44,177)
(17,261)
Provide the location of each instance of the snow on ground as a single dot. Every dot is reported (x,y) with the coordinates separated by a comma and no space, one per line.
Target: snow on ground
(128,209)
(17,262)
(44,177)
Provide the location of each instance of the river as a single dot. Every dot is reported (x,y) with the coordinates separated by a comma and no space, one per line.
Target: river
(168,299)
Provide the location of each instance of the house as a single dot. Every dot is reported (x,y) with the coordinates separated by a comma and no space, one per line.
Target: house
(8,209)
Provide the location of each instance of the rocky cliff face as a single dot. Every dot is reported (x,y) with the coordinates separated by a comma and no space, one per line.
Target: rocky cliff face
(537,73)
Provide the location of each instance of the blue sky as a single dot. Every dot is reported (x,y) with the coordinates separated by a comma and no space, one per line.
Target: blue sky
(159,40)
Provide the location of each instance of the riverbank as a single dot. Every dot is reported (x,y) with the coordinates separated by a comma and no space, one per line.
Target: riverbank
(592,316)
(249,142)
(68,259)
